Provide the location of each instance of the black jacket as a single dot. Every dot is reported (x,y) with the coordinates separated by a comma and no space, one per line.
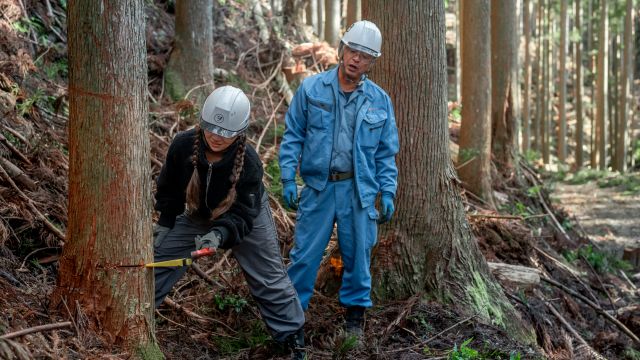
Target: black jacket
(176,173)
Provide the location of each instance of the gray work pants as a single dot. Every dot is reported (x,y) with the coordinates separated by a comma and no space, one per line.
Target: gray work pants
(259,257)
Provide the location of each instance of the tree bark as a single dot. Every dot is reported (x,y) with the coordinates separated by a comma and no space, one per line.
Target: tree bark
(602,89)
(320,15)
(562,73)
(332,22)
(354,11)
(504,82)
(547,86)
(625,90)
(190,66)
(526,135)
(430,248)
(578,94)
(593,158)
(537,125)
(109,173)
(474,156)
(312,15)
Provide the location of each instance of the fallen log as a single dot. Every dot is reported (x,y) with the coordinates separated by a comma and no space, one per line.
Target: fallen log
(17,174)
(517,275)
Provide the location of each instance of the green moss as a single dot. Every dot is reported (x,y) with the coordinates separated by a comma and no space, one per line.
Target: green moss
(174,84)
(149,351)
(483,304)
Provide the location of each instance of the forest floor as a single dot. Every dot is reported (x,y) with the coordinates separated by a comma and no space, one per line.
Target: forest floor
(607,207)
(219,319)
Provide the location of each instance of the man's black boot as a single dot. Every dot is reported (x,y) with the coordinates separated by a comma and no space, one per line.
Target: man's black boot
(295,342)
(354,321)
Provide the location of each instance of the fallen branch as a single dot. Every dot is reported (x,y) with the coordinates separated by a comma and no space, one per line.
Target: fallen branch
(199,318)
(597,308)
(204,276)
(36,329)
(424,342)
(16,134)
(592,353)
(33,208)
(14,150)
(613,305)
(403,314)
(496,216)
(17,174)
(521,276)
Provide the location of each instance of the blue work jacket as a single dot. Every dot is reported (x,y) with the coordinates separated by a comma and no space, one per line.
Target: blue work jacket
(308,138)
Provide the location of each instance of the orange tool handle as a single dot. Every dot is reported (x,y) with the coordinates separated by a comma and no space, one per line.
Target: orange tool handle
(202,252)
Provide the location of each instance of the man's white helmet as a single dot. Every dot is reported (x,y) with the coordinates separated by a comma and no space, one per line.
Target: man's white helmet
(364,36)
(226,112)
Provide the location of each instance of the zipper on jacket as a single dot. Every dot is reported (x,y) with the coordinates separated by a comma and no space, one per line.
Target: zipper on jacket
(206,193)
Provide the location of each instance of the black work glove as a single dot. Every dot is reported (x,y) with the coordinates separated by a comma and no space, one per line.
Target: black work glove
(159,233)
(212,239)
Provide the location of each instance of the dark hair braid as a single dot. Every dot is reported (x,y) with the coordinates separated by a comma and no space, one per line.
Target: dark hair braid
(193,189)
(234,177)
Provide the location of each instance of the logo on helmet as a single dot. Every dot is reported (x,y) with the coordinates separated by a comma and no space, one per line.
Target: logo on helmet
(218,118)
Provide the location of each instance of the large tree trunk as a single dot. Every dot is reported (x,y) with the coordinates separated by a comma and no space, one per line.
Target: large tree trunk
(578,93)
(429,248)
(354,11)
(537,125)
(320,16)
(504,82)
(312,15)
(602,89)
(474,156)
(190,67)
(547,86)
(593,153)
(332,22)
(625,90)
(109,173)
(562,73)
(526,135)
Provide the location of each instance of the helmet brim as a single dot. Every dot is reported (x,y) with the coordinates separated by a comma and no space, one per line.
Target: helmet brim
(364,49)
(225,133)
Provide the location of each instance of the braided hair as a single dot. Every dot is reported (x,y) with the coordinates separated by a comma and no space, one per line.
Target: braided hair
(193,189)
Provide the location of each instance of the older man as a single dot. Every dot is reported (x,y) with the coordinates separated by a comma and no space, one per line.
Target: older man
(341,131)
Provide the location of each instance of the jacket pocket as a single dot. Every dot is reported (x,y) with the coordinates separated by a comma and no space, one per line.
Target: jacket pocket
(319,113)
(371,129)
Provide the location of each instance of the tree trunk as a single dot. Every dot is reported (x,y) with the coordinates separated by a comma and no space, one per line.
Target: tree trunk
(537,124)
(429,248)
(109,173)
(190,67)
(562,73)
(293,13)
(547,86)
(504,82)
(474,156)
(602,89)
(625,97)
(354,11)
(458,84)
(312,15)
(332,22)
(320,15)
(578,93)
(593,153)
(526,136)
(613,97)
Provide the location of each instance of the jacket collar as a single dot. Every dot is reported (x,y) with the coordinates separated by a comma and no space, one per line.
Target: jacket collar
(330,76)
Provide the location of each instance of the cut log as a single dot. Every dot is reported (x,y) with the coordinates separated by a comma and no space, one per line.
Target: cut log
(515,275)
(17,175)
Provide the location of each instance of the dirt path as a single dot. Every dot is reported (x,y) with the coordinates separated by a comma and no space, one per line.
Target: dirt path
(609,216)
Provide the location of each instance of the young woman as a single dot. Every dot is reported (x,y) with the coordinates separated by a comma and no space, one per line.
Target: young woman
(210,194)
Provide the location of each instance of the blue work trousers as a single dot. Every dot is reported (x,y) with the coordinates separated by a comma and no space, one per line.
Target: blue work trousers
(318,211)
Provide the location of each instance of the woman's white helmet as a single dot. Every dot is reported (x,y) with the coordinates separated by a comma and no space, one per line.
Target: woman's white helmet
(363,36)
(226,112)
